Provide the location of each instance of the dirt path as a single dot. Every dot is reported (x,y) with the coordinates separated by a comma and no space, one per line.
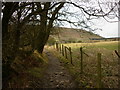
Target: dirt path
(56,75)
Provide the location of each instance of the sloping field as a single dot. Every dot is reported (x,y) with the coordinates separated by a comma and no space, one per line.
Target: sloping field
(66,34)
(110,45)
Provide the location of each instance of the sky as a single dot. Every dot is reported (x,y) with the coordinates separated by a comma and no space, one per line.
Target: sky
(108,29)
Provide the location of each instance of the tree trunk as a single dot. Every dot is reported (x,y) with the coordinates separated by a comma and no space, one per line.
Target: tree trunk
(10,7)
(41,38)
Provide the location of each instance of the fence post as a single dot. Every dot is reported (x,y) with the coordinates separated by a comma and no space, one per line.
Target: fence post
(65,52)
(99,70)
(57,46)
(70,55)
(81,64)
(62,50)
(53,46)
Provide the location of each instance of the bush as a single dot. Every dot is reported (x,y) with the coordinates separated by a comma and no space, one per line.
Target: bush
(79,41)
(51,41)
(71,40)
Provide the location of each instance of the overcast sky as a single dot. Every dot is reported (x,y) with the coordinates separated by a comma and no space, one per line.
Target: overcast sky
(107,29)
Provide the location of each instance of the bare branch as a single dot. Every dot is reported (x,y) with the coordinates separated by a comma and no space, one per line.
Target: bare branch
(92,14)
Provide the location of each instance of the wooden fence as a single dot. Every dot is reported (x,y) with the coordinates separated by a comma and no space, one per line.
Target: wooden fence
(64,50)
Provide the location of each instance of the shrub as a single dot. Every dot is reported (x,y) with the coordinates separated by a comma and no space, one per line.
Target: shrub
(71,40)
(79,41)
(51,41)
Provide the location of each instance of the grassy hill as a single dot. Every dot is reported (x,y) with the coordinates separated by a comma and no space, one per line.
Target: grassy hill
(72,35)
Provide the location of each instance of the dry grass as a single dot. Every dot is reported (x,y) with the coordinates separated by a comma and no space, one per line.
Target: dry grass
(29,69)
(109,64)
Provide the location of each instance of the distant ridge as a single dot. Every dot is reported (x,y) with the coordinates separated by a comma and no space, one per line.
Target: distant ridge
(65,34)
(112,37)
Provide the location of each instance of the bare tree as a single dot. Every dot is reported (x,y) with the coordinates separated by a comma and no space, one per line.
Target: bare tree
(48,15)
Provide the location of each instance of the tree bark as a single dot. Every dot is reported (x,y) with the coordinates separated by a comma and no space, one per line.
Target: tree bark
(46,28)
(40,40)
(10,7)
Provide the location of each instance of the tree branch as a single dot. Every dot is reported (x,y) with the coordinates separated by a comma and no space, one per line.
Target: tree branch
(92,14)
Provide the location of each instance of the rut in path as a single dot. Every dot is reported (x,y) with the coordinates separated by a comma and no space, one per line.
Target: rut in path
(56,76)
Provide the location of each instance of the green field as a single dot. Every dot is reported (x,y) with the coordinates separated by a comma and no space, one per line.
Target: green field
(109,64)
(111,45)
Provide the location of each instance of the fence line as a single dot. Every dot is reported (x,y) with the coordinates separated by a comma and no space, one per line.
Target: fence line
(64,51)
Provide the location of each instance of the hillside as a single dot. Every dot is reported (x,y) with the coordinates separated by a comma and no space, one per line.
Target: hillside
(70,34)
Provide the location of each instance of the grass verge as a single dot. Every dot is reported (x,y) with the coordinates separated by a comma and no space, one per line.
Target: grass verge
(30,69)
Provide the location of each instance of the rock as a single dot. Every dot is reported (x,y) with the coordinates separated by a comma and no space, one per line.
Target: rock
(62,68)
(51,80)
(67,81)
(57,81)
(61,73)
(56,73)
(57,86)
(61,82)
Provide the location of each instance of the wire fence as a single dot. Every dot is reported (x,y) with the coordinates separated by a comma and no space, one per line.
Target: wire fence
(68,54)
